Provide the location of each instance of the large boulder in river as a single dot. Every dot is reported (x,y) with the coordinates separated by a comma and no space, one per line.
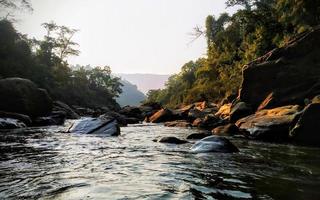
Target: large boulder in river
(270,124)
(307,129)
(162,115)
(214,144)
(284,76)
(23,96)
(101,125)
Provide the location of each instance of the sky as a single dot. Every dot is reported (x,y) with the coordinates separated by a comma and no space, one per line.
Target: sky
(130,36)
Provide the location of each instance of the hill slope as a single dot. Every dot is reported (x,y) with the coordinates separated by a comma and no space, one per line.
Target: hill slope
(146,82)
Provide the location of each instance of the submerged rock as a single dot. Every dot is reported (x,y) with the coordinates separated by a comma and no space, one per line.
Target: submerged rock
(100,125)
(8,123)
(214,144)
(197,136)
(172,140)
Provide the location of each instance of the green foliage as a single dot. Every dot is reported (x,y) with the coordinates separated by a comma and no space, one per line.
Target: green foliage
(233,41)
(44,62)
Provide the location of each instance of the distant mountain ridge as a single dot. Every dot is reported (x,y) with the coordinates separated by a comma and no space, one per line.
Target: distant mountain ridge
(146,82)
(130,95)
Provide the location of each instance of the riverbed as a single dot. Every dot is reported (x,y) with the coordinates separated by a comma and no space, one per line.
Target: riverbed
(50,164)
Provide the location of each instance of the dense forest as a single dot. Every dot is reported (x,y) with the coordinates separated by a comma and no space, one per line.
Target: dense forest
(45,63)
(233,41)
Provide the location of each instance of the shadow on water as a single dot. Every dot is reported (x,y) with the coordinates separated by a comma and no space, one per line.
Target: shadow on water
(48,164)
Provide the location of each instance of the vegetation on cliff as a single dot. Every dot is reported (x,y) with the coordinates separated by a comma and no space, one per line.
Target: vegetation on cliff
(232,41)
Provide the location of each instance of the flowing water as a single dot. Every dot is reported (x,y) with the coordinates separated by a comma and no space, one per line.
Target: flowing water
(54,165)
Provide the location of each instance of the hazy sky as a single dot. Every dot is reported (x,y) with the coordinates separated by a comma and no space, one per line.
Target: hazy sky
(131,36)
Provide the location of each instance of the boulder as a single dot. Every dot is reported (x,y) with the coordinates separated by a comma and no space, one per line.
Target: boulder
(197,136)
(316,99)
(178,123)
(8,123)
(70,113)
(307,129)
(84,111)
(195,113)
(131,111)
(23,118)
(172,140)
(226,130)
(101,125)
(240,110)
(214,144)
(55,118)
(162,115)
(284,76)
(23,96)
(208,122)
(224,111)
(270,124)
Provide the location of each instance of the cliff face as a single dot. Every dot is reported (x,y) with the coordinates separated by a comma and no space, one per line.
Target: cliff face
(286,75)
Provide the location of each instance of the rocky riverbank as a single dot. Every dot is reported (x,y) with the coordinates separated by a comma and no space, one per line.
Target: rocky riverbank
(279,101)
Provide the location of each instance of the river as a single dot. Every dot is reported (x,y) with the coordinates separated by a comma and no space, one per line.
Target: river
(49,164)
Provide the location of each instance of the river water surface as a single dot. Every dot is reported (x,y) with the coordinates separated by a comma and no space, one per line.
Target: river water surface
(54,165)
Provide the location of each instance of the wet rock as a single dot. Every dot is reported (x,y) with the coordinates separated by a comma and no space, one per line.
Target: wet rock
(214,144)
(178,123)
(226,130)
(70,113)
(101,125)
(240,110)
(8,123)
(56,118)
(23,118)
(270,124)
(23,96)
(172,140)
(197,136)
(284,76)
(307,129)
(162,115)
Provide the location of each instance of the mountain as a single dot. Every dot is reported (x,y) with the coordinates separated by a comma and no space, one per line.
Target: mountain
(146,82)
(130,94)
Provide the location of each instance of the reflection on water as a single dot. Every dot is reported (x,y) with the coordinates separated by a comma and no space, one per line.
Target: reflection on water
(49,164)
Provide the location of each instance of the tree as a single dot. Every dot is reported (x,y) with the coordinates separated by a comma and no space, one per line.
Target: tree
(16,4)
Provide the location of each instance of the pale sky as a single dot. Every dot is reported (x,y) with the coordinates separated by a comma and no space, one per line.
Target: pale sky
(131,36)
